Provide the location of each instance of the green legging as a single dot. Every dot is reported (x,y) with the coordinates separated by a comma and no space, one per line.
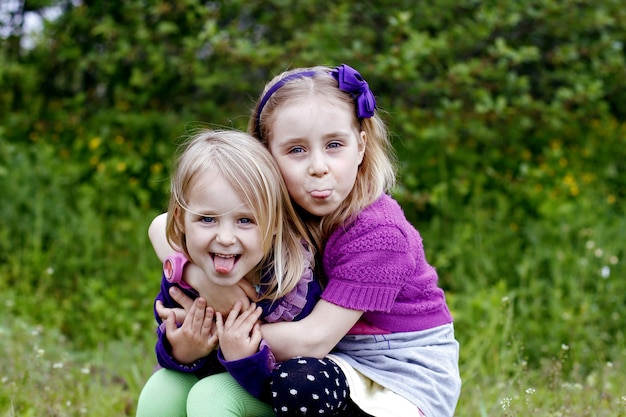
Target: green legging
(174,394)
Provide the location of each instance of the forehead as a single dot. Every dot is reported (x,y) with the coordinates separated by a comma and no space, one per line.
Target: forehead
(312,110)
(211,192)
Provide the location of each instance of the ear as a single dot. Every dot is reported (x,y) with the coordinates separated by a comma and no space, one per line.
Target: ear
(179,220)
(362,145)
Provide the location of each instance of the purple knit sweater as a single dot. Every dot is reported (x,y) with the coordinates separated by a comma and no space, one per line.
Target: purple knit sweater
(377,264)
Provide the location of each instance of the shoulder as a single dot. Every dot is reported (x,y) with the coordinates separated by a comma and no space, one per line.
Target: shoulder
(384,211)
(381,225)
(383,214)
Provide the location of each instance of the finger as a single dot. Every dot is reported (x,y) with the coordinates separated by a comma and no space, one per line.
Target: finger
(181,298)
(198,316)
(209,313)
(162,311)
(208,321)
(170,324)
(234,313)
(251,314)
(190,317)
(255,334)
(219,323)
(248,289)
(212,341)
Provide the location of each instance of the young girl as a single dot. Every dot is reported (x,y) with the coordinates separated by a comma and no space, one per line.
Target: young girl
(332,148)
(230,214)
(380,341)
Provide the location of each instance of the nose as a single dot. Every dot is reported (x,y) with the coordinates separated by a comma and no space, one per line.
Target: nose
(225,235)
(318,166)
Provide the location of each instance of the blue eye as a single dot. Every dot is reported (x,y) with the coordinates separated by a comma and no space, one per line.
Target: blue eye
(207,219)
(334,145)
(246,220)
(297,149)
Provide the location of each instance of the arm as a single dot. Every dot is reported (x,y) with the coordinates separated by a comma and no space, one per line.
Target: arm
(156,233)
(315,335)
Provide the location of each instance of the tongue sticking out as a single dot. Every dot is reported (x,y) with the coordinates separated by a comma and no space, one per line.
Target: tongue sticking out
(224,265)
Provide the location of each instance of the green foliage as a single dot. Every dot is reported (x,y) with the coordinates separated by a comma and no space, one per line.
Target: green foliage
(508,118)
(44,376)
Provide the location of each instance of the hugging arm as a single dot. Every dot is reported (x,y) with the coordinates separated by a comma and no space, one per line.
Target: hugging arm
(315,335)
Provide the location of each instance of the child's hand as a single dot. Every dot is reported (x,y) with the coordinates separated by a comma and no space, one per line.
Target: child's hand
(240,334)
(196,337)
(179,313)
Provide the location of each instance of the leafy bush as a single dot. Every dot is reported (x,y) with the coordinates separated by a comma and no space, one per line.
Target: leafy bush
(508,119)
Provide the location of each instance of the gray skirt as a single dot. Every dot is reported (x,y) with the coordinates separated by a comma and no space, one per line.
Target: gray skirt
(422,367)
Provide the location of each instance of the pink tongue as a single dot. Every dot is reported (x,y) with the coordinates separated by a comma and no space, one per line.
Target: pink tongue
(224,265)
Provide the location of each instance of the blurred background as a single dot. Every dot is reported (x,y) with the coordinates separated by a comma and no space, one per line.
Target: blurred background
(508,118)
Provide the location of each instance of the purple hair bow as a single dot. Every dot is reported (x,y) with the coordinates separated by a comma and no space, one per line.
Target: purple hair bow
(352,82)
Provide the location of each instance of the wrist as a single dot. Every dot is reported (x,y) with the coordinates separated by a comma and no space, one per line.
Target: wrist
(173,268)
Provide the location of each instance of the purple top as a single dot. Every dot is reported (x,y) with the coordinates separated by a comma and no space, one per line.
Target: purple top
(377,264)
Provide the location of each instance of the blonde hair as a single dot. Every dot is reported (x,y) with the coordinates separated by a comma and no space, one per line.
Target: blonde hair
(251,171)
(377,172)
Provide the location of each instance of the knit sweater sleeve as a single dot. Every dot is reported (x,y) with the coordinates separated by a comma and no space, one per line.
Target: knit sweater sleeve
(367,264)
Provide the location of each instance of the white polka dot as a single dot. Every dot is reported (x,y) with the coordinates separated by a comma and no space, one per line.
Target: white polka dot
(284,374)
(326,374)
(284,408)
(315,396)
(302,361)
(274,394)
(326,391)
(303,409)
(293,391)
(310,377)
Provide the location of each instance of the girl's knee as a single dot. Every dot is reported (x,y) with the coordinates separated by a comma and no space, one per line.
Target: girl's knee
(165,394)
(305,385)
(221,395)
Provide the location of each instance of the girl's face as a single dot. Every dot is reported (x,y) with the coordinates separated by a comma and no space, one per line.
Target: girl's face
(221,232)
(318,150)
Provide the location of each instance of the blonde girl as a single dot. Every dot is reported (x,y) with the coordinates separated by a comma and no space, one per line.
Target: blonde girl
(230,215)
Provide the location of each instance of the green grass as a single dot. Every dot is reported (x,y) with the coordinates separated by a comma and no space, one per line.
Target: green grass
(537,293)
(42,374)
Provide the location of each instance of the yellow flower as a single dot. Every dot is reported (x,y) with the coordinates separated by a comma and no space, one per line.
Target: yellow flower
(156,168)
(94,143)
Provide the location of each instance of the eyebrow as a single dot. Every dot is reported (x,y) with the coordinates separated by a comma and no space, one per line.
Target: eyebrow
(236,210)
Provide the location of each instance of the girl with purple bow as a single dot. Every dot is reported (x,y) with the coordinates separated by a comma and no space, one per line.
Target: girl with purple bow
(381,340)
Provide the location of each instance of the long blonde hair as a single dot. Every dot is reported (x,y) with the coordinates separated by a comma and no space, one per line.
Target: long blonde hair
(251,171)
(377,172)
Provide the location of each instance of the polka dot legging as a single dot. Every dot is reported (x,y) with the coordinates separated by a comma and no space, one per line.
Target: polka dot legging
(311,387)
